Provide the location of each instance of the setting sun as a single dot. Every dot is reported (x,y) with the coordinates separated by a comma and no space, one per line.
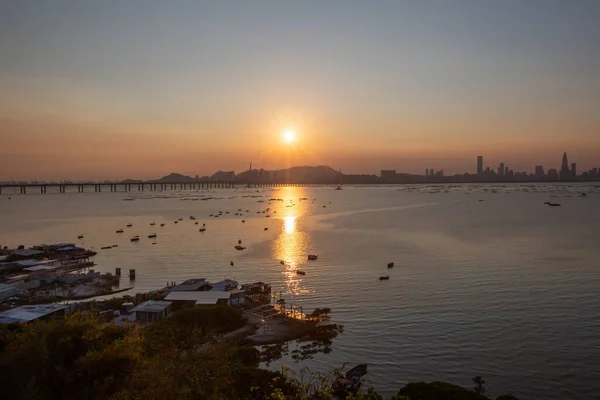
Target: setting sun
(289,136)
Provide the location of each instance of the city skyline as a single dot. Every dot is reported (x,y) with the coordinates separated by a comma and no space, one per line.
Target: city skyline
(137,89)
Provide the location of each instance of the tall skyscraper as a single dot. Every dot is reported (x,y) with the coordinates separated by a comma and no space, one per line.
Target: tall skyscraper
(479,165)
(501,169)
(564,168)
(574,170)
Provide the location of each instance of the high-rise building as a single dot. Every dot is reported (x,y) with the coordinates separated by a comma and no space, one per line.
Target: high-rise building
(426,172)
(552,173)
(479,165)
(574,170)
(539,171)
(501,169)
(594,171)
(564,167)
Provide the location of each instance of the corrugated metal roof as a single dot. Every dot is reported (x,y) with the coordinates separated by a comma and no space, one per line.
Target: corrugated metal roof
(152,306)
(211,297)
(223,285)
(39,268)
(190,285)
(27,252)
(29,313)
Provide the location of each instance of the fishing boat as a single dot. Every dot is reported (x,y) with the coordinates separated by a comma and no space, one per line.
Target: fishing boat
(135,239)
(129,225)
(192,217)
(106,247)
(152,235)
(391,265)
(238,247)
(300,272)
(266,229)
(338,188)
(152,223)
(162,224)
(384,278)
(202,230)
(119,230)
(196,223)
(80,236)
(312,257)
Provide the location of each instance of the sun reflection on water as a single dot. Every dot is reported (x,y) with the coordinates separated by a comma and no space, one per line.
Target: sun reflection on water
(291,243)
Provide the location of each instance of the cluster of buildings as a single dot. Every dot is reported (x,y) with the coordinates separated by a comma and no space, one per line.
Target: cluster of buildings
(190,293)
(567,172)
(199,292)
(501,173)
(26,269)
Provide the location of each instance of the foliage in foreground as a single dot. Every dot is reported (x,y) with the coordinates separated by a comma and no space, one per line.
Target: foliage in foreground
(184,357)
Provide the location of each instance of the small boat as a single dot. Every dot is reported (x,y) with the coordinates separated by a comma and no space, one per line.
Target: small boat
(226,212)
(152,235)
(547,203)
(80,236)
(324,206)
(181,219)
(196,223)
(153,242)
(238,247)
(266,229)
(243,221)
(267,216)
(175,221)
(115,245)
(202,230)
(384,278)
(152,224)
(338,188)
(119,230)
(239,241)
(391,265)
(192,217)
(231,263)
(282,262)
(129,225)
(106,247)
(312,257)
(300,272)
(554,204)
(162,224)
(135,239)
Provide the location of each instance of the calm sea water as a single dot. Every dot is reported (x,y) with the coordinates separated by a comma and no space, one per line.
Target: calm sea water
(506,288)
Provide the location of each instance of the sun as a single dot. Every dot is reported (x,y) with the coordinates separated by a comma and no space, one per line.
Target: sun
(288,135)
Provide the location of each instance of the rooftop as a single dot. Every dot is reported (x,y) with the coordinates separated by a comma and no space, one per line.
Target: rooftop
(189,285)
(202,297)
(152,306)
(39,268)
(223,285)
(29,313)
(27,252)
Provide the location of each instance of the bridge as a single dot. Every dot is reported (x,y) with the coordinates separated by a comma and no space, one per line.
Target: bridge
(90,187)
(95,187)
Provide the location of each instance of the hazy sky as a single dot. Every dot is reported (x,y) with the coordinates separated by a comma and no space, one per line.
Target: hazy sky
(138,89)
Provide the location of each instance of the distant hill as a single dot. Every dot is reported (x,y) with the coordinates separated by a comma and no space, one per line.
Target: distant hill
(174,177)
(225,176)
(304,174)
